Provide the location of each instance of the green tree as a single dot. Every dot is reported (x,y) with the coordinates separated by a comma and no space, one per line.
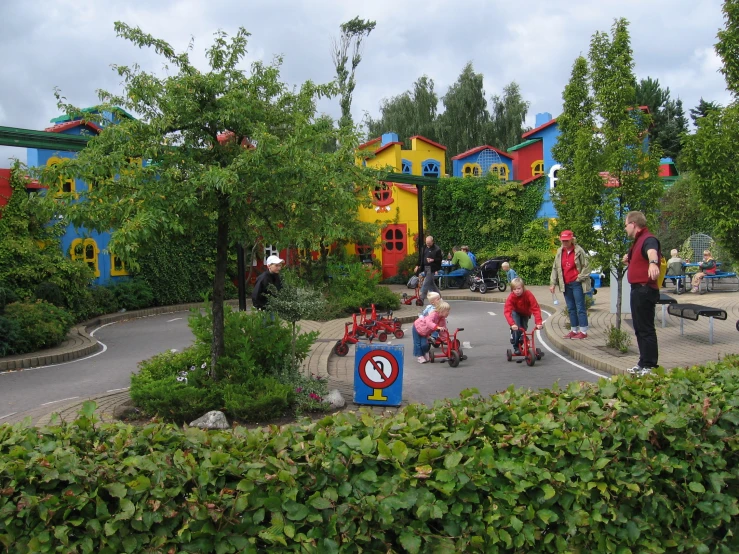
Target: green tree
(353,33)
(674,129)
(616,146)
(702,110)
(508,114)
(226,147)
(682,213)
(409,114)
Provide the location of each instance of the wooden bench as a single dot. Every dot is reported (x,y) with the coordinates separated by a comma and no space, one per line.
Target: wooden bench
(693,312)
(665,300)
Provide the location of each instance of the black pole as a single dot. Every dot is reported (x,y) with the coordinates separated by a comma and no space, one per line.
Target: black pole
(421,238)
(242,276)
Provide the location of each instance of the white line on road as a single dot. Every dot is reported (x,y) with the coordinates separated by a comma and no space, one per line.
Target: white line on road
(545,345)
(491,313)
(466,344)
(8,415)
(62,400)
(175,319)
(117,390)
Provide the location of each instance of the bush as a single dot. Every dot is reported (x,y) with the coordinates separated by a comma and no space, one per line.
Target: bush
(627,465)
(354,287)
(104,300)
(176,401)
(133,294)
(40,325)
(262,399)
(9,335)
(51,293)
(7,296)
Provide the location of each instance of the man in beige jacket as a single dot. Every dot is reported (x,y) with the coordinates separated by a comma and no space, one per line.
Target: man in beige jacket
(571,273)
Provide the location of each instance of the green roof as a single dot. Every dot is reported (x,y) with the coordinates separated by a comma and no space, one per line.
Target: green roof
(66,117)
(525,143)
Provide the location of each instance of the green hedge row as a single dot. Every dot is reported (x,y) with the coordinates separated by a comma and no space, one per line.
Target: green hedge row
(628,465)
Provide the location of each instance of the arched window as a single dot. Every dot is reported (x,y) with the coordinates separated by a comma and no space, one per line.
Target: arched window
(471,170)
(406,166)
(537,168)
(117,267)
(86,250)
(65,185)
(431,168)
(553,175)
(501,170)
(365,253)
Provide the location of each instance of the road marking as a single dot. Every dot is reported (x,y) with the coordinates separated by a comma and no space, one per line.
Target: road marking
(491,313)
(545,345)
(8,415)
(466,344)
(175,319)
(117,390)
(62,400)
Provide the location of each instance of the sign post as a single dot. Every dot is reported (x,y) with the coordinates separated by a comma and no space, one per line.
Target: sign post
(378,375)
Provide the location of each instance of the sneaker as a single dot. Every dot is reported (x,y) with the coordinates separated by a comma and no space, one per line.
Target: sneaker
(570,335)
(580,335)
(422,359)
(694,290)
(636,370)
(645,371)
(517,351)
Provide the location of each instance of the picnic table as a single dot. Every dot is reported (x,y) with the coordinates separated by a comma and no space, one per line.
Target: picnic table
(693,312)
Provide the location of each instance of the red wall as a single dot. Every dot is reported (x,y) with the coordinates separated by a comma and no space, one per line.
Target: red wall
(5,190)
(525,157)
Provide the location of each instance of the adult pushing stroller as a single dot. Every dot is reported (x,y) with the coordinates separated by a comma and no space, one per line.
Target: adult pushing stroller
(485,276)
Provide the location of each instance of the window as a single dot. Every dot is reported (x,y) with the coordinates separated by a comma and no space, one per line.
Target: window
(471,170)
(117,267)
(537,168)
(500,170)
(270,250)
(65,185)
(365,253)
(87,251)
(553,176)
(382,195)
(431,168)
(406,166)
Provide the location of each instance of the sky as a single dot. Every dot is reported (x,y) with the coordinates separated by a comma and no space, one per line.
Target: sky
(71,45)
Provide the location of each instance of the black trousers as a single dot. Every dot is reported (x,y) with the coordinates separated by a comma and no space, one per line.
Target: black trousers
(643,302)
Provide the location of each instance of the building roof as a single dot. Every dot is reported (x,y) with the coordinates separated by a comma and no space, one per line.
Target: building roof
(59,127)
(369,143)
(532,179)
(228,135)
(428,141)
(94,109)
(385,146)
(408,188)
(539,128)
(524,144)
(478,149)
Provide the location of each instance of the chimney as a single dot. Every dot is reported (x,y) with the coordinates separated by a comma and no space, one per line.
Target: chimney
(392,137)
(541,119)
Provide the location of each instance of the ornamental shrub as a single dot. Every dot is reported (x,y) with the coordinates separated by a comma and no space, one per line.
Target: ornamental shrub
(40,325)
(9,334)
(354,286)
(624,465)
(51,293)
(133,294)
(103,300)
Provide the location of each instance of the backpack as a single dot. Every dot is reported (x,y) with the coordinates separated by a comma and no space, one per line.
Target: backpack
(413,282)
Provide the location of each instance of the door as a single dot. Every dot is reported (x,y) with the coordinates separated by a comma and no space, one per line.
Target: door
(394,248)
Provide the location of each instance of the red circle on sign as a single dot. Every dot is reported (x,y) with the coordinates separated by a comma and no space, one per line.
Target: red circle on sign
(385,360)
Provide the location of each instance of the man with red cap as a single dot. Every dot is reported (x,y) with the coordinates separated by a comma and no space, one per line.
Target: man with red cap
(571,273)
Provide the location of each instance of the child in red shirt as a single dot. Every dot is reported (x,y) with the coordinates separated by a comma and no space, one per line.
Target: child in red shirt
(519,306)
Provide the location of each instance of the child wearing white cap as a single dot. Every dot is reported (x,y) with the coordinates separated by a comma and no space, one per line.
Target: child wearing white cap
(260,294)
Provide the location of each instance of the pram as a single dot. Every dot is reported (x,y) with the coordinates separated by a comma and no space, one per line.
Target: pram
(485,276)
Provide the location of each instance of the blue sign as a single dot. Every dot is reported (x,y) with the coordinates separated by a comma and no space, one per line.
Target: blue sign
(378,375)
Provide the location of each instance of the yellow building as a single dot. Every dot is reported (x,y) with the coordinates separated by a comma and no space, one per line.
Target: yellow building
(395,205)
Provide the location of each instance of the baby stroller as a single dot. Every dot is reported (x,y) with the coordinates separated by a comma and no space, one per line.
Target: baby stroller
(485,276)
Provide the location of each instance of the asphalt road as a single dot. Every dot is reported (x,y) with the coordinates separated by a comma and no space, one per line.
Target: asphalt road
(124,345)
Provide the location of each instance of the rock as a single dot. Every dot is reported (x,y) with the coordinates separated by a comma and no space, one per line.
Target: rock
(335,399)
(211,420)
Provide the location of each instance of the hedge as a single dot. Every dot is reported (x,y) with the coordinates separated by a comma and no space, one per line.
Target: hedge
(627,465)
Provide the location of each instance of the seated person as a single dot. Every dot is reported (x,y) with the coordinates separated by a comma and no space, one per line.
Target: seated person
(510,273)
(706,267)
(519,306)
(466,249)
(462,260)
(675,266)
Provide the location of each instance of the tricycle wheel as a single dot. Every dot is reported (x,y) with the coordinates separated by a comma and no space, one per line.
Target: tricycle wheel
(502,286)
(419,302)
(473,286)
(431,356)
(483,288)
(539,354)
(382,336)
(509,355)
(530,357)
(399,333)
(341,348)
(454,359)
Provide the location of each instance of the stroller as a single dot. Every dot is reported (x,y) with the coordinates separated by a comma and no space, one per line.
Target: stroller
(485,276)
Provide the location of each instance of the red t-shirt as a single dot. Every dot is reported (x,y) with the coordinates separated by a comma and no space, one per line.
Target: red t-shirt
(525,305)
(569,269)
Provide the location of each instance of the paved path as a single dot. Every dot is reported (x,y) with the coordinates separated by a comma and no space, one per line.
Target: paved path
(675,350)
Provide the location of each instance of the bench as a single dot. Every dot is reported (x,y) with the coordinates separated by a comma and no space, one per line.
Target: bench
(716,279)
(665,300)
(458,274)
(693,312)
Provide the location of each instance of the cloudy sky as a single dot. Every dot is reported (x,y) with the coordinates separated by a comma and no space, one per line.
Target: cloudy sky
(71,44)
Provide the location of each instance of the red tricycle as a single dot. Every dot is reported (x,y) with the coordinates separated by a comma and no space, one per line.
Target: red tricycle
(526,347)
(384,322)
(408,300)
(450,349)
(353,330)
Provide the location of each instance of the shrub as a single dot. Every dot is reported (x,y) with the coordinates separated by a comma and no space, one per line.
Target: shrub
(7,296)
(176,401)
(262,399)
(51,293)
(133,294)
(9,334)
(627,465)
(353,287)
(104,300)
(618,339)
(40,325)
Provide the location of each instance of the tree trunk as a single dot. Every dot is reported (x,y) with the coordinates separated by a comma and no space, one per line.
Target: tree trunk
(218,345)
(293,362)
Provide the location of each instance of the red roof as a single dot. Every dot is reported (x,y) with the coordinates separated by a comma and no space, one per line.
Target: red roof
(381,148)
(59,127)
(428,141)
(478,149)
(539,128)
(228,135)
(369,143)
(608,179)
(408,188)
(532,179)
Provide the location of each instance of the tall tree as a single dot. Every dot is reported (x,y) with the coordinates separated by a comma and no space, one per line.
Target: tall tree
(616,147)
(674,129)
(226,147)
(668,118)
(353,33)
(408,114)
(711,152)
(702,110)
(465,120)
(508,114)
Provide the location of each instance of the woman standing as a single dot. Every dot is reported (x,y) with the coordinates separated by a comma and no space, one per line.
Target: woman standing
(571,273)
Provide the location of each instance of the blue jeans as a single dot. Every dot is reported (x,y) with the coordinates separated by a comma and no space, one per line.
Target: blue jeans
(523,323)
(575,299)
(429,284)
(420,344)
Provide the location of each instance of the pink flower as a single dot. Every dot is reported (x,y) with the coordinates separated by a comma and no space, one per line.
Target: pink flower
(299,389)
(315,397)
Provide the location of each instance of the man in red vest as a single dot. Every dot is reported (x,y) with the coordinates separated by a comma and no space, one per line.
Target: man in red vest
(643,271)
